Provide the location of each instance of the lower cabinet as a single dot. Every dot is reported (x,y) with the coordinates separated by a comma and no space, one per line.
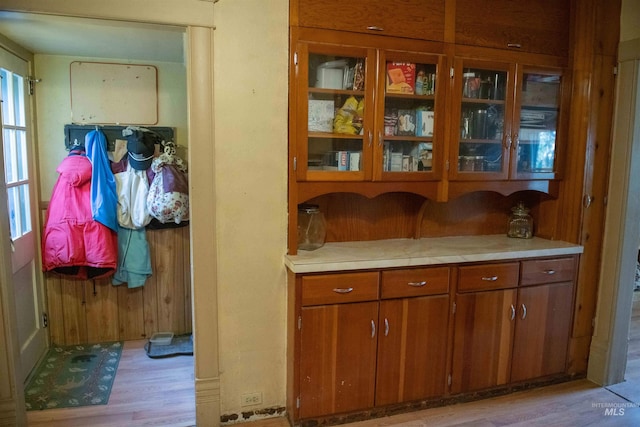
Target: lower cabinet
(511,335)
(337,358)
(375,338)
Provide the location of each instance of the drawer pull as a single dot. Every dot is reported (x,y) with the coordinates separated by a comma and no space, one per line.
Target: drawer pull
(490,279)
(342,290)
(386,327)
(514,45)
(417,284)
(374,28)
(373,329)
(513,312)
(550,272)
(524,311)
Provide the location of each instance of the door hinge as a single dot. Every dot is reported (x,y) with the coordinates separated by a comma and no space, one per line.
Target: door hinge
(45,320)
(298,402)
(32,82)
(451,72)
(295,58)
(615,70)
(295,163)
(299,323)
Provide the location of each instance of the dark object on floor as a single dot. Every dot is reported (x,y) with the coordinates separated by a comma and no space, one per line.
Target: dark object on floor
(181,345)
(75,375)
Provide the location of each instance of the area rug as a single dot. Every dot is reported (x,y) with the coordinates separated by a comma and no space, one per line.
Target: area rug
(77,375)
(180,345)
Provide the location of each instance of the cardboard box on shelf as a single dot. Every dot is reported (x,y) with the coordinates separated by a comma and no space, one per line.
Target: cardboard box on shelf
(321,114)
(424,122)
(401,77)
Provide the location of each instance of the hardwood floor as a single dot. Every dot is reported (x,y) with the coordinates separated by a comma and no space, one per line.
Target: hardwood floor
(146,392)
(160,392)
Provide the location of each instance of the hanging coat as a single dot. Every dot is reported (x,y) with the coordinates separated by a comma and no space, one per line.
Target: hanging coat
(104,199)
(73,243)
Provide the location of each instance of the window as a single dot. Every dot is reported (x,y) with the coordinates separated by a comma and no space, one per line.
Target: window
(14,139)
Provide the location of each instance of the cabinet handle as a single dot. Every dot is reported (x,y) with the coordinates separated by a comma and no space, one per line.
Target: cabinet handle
(379,139)
(514,45)
(373,329)
(507,142)
(516,142)
(550,272)
(342,290)
(374,28)
(417,284)
(490,279)
(513,312)
(370,137)
(524,311)
(386,327)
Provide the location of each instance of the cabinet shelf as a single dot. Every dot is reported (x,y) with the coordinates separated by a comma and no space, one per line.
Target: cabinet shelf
(331,135)
(318,90)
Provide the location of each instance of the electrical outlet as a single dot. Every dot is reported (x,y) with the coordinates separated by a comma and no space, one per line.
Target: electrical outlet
(250,399)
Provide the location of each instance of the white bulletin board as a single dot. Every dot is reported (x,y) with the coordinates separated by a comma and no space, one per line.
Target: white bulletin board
(107,93)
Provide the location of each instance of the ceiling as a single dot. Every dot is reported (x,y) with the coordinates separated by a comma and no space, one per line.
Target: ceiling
(95,38)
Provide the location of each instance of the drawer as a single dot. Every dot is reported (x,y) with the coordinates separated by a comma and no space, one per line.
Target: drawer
(339,288)
(415,282)
(488,276)
(539,271)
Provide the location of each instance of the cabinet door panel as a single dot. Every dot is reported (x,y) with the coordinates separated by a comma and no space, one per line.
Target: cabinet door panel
(482,343)
(412,349)
(337,358)
(540,26)
(419,19)
(542,331)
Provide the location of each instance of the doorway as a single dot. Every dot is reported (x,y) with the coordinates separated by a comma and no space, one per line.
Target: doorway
(50,152)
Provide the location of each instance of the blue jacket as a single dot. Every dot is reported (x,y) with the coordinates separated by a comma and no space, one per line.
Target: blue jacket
(104,199)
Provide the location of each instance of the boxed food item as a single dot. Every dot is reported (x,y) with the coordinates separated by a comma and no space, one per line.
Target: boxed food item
(406,122)
(321,115)
(401,77)
(424,122)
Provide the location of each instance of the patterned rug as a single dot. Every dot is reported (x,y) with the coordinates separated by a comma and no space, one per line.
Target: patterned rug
(77,375)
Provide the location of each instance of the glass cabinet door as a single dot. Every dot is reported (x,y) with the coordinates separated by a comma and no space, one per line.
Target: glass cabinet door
(535,132)
(483,122)
(407,128)
(336,141)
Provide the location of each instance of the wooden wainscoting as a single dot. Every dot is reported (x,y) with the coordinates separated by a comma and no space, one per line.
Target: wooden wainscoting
(95,310)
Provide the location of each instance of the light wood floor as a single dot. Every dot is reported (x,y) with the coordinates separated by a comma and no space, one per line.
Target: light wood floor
(146,392)
(160,392)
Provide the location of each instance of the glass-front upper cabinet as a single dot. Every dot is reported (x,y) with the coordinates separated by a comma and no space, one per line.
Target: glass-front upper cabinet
(409,130)
(480,127)
(335,112)
(536,125)
(508,120)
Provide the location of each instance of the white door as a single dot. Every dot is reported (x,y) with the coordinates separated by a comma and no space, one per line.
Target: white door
(19,189)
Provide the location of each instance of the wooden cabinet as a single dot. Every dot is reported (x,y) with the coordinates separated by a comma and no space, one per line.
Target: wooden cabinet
(483,331)
(508,123)
(540,26)
(417,19)
(367,114)
(412,343)
(513,331)
(357,352)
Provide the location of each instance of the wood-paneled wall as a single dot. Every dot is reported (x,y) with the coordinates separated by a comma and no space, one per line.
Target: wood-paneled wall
(94,310)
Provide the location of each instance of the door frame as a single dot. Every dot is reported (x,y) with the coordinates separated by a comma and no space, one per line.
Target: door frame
(609,346)
(197,17)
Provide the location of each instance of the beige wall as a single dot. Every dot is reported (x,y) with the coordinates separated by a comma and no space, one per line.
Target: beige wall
(53,109)
(630,20)
(251,84)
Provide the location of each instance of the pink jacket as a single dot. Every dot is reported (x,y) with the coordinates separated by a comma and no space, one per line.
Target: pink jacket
(73,243)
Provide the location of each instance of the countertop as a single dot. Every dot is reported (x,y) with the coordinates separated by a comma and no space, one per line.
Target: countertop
(344,256)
